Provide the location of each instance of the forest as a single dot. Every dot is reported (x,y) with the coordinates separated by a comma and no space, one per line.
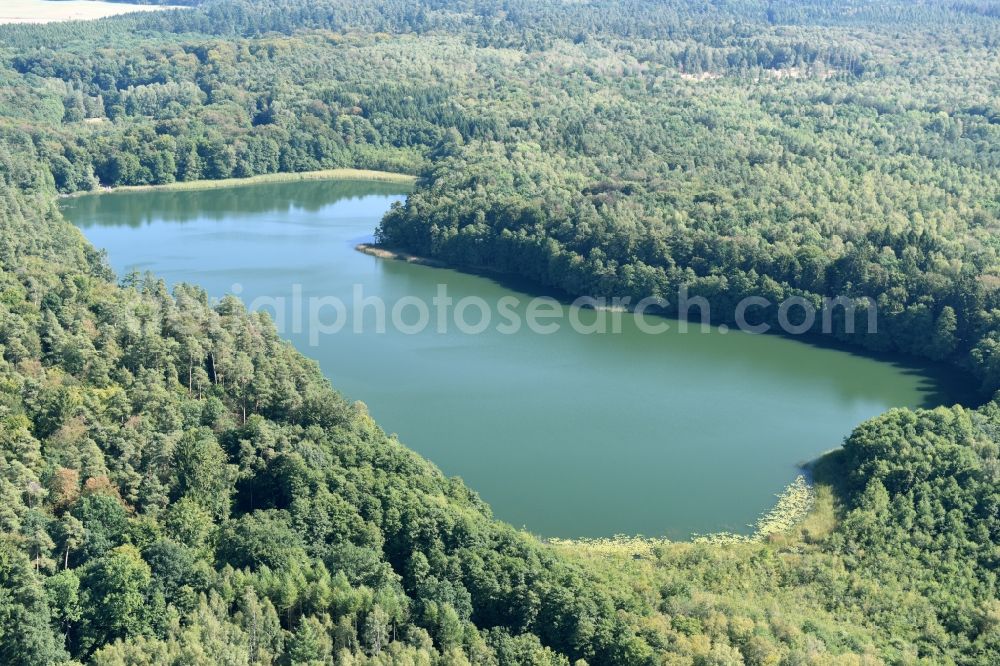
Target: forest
(180,486)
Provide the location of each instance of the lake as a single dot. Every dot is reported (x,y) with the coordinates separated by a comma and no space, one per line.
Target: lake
(566,434)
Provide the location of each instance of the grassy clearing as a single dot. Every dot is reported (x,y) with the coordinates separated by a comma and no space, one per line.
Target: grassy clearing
(325,174)
(49,11)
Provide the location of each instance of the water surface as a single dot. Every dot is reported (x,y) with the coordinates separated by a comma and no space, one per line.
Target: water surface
(565,434)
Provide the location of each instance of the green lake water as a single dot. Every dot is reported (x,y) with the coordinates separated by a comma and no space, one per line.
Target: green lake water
(565,434)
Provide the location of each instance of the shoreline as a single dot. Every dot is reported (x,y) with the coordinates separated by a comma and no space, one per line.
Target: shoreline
(386,252)
(799,501)
(382,252)
(283,177)
(952,380)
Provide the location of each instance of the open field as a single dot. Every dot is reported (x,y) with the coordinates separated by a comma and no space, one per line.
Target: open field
(48,11)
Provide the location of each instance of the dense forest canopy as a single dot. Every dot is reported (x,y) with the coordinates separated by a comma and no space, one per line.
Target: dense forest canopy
(180,486)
